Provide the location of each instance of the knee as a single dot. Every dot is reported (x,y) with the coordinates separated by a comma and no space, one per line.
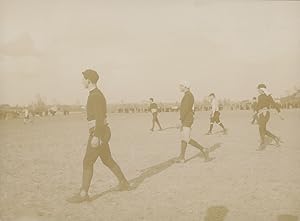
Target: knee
(108,161)
(185,141)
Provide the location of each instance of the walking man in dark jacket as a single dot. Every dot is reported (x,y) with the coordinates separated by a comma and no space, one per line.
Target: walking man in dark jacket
(265,102)
(253,106)
(154,110)
(98,141)
(187,119)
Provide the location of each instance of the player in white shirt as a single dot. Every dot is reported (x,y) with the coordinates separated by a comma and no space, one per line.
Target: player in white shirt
(215,114)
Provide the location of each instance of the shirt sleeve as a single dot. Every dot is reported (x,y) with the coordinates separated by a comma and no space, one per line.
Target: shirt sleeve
(214,106)
(274,104)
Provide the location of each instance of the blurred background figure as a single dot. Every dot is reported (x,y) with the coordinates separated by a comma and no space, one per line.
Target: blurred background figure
(27,118)
(265,102)
(215,114)
(253,106)
(154,110)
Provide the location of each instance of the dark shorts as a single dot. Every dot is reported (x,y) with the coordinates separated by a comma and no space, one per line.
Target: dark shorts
(263,118)
(154,115)
(187,123)
(216,117)
(105,137)
(102,151)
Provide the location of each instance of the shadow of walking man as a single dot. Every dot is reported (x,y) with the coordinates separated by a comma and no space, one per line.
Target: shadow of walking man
(145,173)
(210,149)
(149,172)
(286,217)
(216,213)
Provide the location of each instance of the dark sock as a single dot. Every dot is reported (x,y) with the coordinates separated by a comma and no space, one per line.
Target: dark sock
(86,179)
(183,149)
(211,127)
(269,134)
(118,173)
(221,125)
(196,144)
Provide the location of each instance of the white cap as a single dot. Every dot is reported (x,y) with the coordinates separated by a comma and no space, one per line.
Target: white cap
(185,84)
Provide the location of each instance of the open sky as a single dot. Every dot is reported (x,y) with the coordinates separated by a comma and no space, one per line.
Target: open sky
(142,48)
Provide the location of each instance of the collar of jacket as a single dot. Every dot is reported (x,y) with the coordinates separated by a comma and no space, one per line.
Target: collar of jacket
(93,90)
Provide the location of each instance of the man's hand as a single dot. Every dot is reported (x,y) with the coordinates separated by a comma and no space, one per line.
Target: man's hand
(95,142)
(92,124)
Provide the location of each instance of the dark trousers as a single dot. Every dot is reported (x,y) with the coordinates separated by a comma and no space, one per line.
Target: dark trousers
(155,120)
(263,119)
(254,118)
(92,154)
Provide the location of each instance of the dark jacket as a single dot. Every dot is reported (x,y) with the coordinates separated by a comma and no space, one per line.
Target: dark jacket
(153,106)
(186,107)
(96,110)
(266,101)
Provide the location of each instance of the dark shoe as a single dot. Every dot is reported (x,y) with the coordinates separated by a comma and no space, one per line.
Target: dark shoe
(278,141)
(151,129)
(78,198)
(180,160)
(206,155)
(225,131)
(123,186)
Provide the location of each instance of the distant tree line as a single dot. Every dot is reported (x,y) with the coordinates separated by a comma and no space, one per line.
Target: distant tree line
(41,109)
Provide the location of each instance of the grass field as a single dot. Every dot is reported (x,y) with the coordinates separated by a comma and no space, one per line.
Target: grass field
(41,165)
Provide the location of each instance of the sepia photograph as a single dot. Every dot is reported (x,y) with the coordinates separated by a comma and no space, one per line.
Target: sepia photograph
(140,110)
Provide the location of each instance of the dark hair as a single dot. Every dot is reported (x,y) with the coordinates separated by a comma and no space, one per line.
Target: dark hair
(91,75)
(254,98)
(151,99)
(261,86)
(212,94)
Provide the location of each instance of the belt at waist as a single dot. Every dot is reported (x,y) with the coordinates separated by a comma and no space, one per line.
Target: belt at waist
(263,110)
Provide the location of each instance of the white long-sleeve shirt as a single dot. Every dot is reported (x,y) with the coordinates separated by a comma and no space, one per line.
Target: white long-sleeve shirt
(214,105)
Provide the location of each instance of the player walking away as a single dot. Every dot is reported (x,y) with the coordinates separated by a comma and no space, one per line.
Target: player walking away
(215,114)
(265,102)
(98,141)
(187,119)
(253,106)
(154,110)
(26,116)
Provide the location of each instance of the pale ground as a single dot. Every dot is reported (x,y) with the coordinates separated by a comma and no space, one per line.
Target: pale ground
(41,165)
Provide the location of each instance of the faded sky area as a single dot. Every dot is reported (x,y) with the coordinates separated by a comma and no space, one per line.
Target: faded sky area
(143,49)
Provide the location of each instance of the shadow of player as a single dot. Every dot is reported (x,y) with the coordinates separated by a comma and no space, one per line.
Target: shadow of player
(216,213)
(286,217)
(149,172)
(145,173)
(210,149)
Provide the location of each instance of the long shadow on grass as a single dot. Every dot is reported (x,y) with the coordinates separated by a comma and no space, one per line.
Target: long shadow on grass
(151,171)
(211,149)
(216,213)
(287,217)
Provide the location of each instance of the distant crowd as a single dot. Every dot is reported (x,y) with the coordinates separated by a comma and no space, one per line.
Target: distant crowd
(8,112)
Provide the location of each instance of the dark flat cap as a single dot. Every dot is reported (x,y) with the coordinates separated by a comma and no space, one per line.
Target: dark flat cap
(91,75)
